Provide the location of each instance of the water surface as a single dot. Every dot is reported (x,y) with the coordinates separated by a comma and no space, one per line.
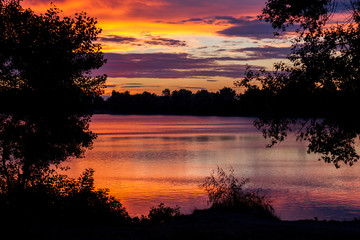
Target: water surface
(146,160)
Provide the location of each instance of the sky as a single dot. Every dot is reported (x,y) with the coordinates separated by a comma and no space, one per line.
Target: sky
(193,44)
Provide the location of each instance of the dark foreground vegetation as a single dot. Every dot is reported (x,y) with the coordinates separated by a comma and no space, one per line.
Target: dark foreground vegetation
(199,225)
(74,209)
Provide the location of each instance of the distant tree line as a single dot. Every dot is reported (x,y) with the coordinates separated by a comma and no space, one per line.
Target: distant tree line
(224,102)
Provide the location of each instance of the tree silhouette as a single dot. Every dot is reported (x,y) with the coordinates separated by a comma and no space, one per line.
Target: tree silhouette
(325,56)
(307,15)
(224,102)
(166,92)
(46,90)
(321,80)
(46,61)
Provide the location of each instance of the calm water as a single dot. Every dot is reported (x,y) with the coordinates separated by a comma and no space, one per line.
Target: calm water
(146,160)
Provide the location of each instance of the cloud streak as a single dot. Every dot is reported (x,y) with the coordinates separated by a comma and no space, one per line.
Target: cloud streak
(265,52)
(137,86)
(148,40)
(184,65)
(165,42)
(217,20)
(245,26)
(252,29)
(169,65)
(117,39)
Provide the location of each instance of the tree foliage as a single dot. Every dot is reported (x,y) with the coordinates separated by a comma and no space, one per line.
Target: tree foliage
(46,89)
(325,54)
(321,80)
(307,15)
(56,198)
(46,60)
(161,214)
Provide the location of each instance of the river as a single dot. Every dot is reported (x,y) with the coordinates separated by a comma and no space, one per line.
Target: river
(146,160)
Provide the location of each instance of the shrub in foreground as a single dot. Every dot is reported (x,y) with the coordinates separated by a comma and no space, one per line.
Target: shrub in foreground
(162,214)
(225,192)
(58,198)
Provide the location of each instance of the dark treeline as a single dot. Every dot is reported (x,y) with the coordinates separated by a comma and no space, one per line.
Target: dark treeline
(224,102)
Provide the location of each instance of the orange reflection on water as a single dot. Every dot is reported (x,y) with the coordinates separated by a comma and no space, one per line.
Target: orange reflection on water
(139,186)
(146,160)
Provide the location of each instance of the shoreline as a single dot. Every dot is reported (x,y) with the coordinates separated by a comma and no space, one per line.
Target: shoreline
(204,225)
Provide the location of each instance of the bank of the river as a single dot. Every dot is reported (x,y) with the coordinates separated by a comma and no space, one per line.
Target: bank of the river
(204,225)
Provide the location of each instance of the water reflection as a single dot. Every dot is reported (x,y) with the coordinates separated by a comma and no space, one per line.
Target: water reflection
(143,169)
(204,138)
(333,138)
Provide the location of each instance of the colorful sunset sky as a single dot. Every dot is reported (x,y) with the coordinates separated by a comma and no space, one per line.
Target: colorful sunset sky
(193,44)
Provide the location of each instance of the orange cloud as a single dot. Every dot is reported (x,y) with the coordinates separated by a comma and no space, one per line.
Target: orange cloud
(142,15)
(192,34)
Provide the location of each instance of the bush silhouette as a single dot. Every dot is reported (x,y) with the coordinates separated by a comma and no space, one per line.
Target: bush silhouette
(162,213)
(59,198)
(225,193)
